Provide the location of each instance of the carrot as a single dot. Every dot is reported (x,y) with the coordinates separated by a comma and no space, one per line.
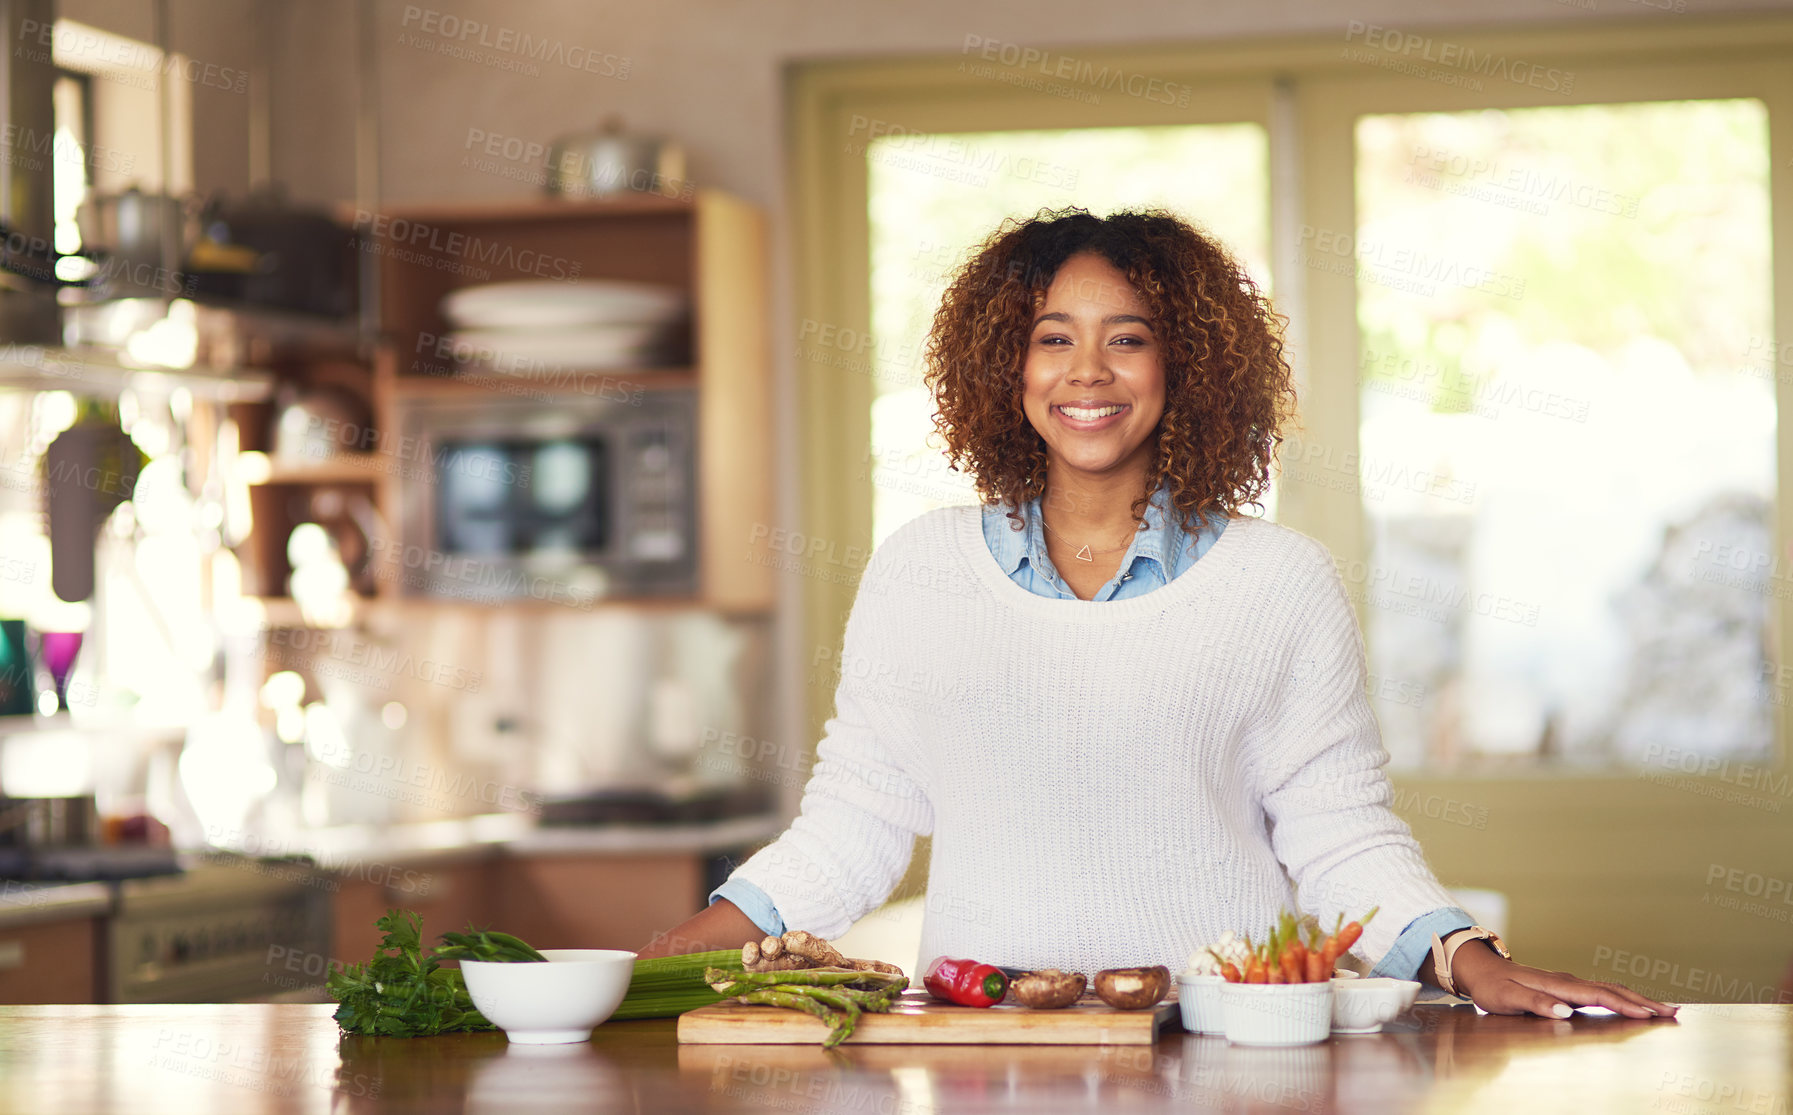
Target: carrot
(1329,953)
(1255,971)
(1316,968)
(1291,966)
(1349,934)
(1228,970)
(1294,961)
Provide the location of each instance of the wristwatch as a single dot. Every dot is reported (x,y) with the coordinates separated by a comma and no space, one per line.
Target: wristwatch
(1445,949)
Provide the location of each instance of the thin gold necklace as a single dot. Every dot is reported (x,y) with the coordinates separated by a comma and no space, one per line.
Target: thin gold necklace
(1085,554)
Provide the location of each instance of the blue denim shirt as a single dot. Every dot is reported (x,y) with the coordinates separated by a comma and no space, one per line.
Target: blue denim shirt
(1161,549)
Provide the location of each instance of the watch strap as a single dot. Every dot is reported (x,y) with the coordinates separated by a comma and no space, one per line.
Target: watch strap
(1444,950)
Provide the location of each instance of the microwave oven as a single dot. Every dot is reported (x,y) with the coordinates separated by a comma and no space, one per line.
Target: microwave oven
(566,500)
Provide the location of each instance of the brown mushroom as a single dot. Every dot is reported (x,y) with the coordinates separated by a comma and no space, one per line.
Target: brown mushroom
(1047,989)
(1133,988)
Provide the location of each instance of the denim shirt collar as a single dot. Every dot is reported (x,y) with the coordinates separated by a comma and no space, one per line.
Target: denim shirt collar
(1151,552)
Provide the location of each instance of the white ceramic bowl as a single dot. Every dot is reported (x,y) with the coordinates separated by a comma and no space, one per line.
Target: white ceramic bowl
(1198,998)
(551,304)
(552,1003)
(1361,1006)
(1277,1013)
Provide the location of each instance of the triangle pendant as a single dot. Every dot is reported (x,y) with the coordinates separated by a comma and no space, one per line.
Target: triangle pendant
(1084,554)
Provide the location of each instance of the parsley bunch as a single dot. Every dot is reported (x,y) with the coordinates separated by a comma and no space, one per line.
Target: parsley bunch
(402,993)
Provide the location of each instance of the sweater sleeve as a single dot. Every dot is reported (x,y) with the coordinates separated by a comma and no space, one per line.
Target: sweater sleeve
(862,809)
(1323,787)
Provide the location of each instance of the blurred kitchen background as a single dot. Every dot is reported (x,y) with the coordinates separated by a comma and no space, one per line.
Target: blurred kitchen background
(438,443)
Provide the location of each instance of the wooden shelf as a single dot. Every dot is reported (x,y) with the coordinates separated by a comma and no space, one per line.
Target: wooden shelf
(98,372)
(610,382)
(711,246)
(283,611)
(528,606)
(622,205)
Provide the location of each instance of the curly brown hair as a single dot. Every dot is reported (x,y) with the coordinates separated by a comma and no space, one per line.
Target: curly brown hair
(1228,389)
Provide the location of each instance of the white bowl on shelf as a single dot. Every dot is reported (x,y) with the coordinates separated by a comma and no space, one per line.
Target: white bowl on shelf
(1198,998)
(1277,1013)
(552,1003)
(548,303)
(1361,1006)
(543,352)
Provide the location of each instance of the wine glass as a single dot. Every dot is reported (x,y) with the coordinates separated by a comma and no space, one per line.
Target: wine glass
(57,650)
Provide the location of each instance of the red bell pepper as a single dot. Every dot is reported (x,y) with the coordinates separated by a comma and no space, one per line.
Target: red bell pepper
(966,982)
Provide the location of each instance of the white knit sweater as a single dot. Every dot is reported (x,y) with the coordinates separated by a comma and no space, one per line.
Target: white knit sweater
(1107,784)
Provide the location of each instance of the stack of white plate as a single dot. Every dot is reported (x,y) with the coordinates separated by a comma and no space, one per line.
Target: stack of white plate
(542,327)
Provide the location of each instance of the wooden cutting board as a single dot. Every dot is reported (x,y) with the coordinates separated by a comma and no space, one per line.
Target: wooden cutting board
(920,1019)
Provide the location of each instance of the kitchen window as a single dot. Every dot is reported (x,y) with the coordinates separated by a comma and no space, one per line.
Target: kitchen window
(1566,440)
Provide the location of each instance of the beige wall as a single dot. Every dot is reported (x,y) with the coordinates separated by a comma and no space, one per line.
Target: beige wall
(708,72)
(215,32)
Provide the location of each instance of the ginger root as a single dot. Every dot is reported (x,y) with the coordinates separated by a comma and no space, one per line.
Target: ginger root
(769,956)
(813,948)
(799,949)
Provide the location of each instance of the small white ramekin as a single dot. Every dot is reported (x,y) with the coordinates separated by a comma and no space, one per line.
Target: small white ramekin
(1361,1006)
(1277,1013)
(1198,997)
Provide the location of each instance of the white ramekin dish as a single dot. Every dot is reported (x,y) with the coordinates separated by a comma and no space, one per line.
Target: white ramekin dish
(1277,1013)
(552,1003)
(1198,998)
(1361,1006)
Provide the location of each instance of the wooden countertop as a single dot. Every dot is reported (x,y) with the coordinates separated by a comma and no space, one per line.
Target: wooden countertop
(1716,1060)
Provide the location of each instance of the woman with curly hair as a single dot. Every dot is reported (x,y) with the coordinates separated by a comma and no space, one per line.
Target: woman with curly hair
(1131,717)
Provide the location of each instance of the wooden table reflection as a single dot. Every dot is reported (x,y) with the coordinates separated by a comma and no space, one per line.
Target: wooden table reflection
(290,1058)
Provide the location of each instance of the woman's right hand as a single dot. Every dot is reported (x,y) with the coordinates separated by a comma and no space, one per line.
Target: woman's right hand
(720,925)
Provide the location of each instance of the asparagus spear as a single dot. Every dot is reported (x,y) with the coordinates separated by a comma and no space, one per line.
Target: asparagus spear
(837,997)
(821,977)
(841,1024)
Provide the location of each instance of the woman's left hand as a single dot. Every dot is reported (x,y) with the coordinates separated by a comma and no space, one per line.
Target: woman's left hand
(1500,986)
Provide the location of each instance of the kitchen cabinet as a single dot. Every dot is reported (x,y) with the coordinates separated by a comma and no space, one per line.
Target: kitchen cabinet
(50,961)
(447,894)
(51,942)
(551,901)
(599,902)
(289,490)
(555,887)
(712,246)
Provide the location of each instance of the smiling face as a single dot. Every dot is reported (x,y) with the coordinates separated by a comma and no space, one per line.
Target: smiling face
(1093,377)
